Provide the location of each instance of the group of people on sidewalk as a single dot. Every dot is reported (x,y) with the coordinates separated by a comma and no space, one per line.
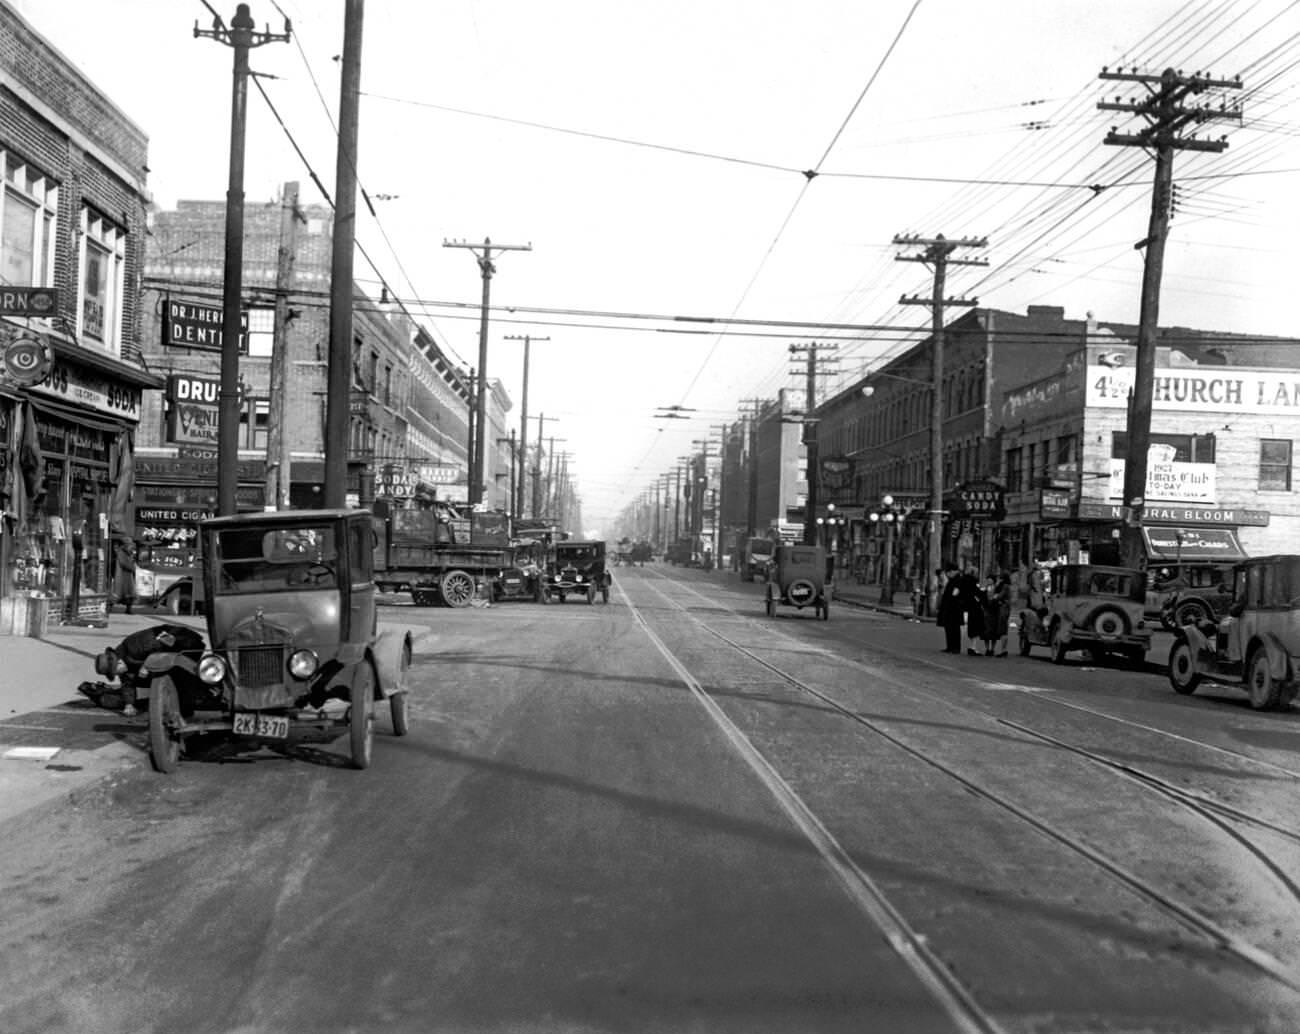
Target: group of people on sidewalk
(978,610)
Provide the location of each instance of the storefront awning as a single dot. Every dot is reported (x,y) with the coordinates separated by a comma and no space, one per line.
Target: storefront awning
(1174,544)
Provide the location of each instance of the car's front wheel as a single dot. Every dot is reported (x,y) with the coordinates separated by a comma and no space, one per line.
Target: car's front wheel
(361,715)
(1183,675)
(164,717)
(1263,688)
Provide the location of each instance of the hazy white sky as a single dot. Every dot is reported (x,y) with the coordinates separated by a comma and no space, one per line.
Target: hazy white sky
(653,156)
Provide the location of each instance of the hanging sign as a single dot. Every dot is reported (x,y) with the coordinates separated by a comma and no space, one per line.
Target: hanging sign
(28,359)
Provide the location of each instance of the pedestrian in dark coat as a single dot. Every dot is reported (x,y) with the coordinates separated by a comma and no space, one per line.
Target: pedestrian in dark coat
(950,614)
(124,573)
(997,615)
(972,595)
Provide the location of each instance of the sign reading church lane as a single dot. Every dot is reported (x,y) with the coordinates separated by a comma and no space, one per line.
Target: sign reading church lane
(188,325)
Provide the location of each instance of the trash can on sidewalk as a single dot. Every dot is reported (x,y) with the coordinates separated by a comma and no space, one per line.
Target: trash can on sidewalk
(38,616)
(25,614)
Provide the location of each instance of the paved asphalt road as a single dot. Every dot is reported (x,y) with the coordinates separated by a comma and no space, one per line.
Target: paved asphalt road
(671,813)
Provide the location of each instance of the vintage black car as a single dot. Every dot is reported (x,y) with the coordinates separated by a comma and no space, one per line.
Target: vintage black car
(798,576)
(294,644)
(1090,607)
(1256,644)
(577,568)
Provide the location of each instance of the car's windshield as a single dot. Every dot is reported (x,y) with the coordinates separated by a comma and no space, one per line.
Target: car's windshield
(275,559)
(577,555)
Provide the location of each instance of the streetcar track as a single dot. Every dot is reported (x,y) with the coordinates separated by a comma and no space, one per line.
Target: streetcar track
(1188,917)
(1039,694)
(906,942)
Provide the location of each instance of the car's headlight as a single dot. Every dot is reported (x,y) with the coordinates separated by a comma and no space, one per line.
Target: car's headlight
(212,668)
(303,664)
(577,577)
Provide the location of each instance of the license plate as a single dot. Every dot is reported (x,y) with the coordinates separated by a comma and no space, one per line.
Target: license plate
(250,723)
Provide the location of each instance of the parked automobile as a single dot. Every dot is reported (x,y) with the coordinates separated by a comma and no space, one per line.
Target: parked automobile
(577,567)
(1188,593)
(1089,607)
(799,577)
(1256,643)
(294,646)
(758,556)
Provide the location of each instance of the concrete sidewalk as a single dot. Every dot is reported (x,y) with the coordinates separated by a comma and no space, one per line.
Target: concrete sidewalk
(39,701)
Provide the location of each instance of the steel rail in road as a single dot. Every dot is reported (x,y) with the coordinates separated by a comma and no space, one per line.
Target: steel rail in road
(955,1000)
(1221,938)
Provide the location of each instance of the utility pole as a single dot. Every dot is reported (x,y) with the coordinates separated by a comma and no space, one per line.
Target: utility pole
(811,452)
(751,504)
(471,444)
(276,496)
(527,339)
(937,257)
(1168,114)
(483,254)
(241,37)
(537,466)
(338,404)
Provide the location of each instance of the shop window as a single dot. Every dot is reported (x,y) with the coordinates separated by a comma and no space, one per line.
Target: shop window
(1275,464)
(27,218)
(103,261)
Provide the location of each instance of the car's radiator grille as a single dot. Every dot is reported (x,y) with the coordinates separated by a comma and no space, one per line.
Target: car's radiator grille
(260,665)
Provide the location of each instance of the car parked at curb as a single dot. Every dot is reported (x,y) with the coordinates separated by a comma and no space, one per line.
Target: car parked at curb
(1091,607)
(1257,643)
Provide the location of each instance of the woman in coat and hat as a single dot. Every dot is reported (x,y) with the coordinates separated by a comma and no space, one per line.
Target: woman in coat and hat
(124,572)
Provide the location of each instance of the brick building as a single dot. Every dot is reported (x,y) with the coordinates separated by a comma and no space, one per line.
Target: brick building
(1033,448)
(72,241)
(408,403)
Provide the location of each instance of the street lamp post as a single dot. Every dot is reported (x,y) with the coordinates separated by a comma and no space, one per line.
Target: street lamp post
(886,514)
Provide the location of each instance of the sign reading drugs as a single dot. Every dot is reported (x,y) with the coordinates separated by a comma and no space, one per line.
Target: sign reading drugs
(192,410)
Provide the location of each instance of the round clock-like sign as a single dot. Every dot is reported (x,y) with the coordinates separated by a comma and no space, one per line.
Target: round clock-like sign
(28,359)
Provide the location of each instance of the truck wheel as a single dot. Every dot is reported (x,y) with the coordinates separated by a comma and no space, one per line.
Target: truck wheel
(1183,675)
(164,717)
(591,594)
(1260,684)
(361,715)
(456,588)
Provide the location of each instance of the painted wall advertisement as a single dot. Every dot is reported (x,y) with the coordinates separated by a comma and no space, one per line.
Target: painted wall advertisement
(1210,390)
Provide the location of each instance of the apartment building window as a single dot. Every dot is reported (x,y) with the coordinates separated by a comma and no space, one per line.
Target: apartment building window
(388,384)
(1275,464)
(1015,470)
(1188,448)
(254,424)
(260,338)
(27,219)
(103,263)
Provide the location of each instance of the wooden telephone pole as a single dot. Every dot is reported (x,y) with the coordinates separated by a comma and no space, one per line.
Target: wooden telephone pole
(1168,115)
(276,496)
(483,253)
(812,454)
(938,257)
